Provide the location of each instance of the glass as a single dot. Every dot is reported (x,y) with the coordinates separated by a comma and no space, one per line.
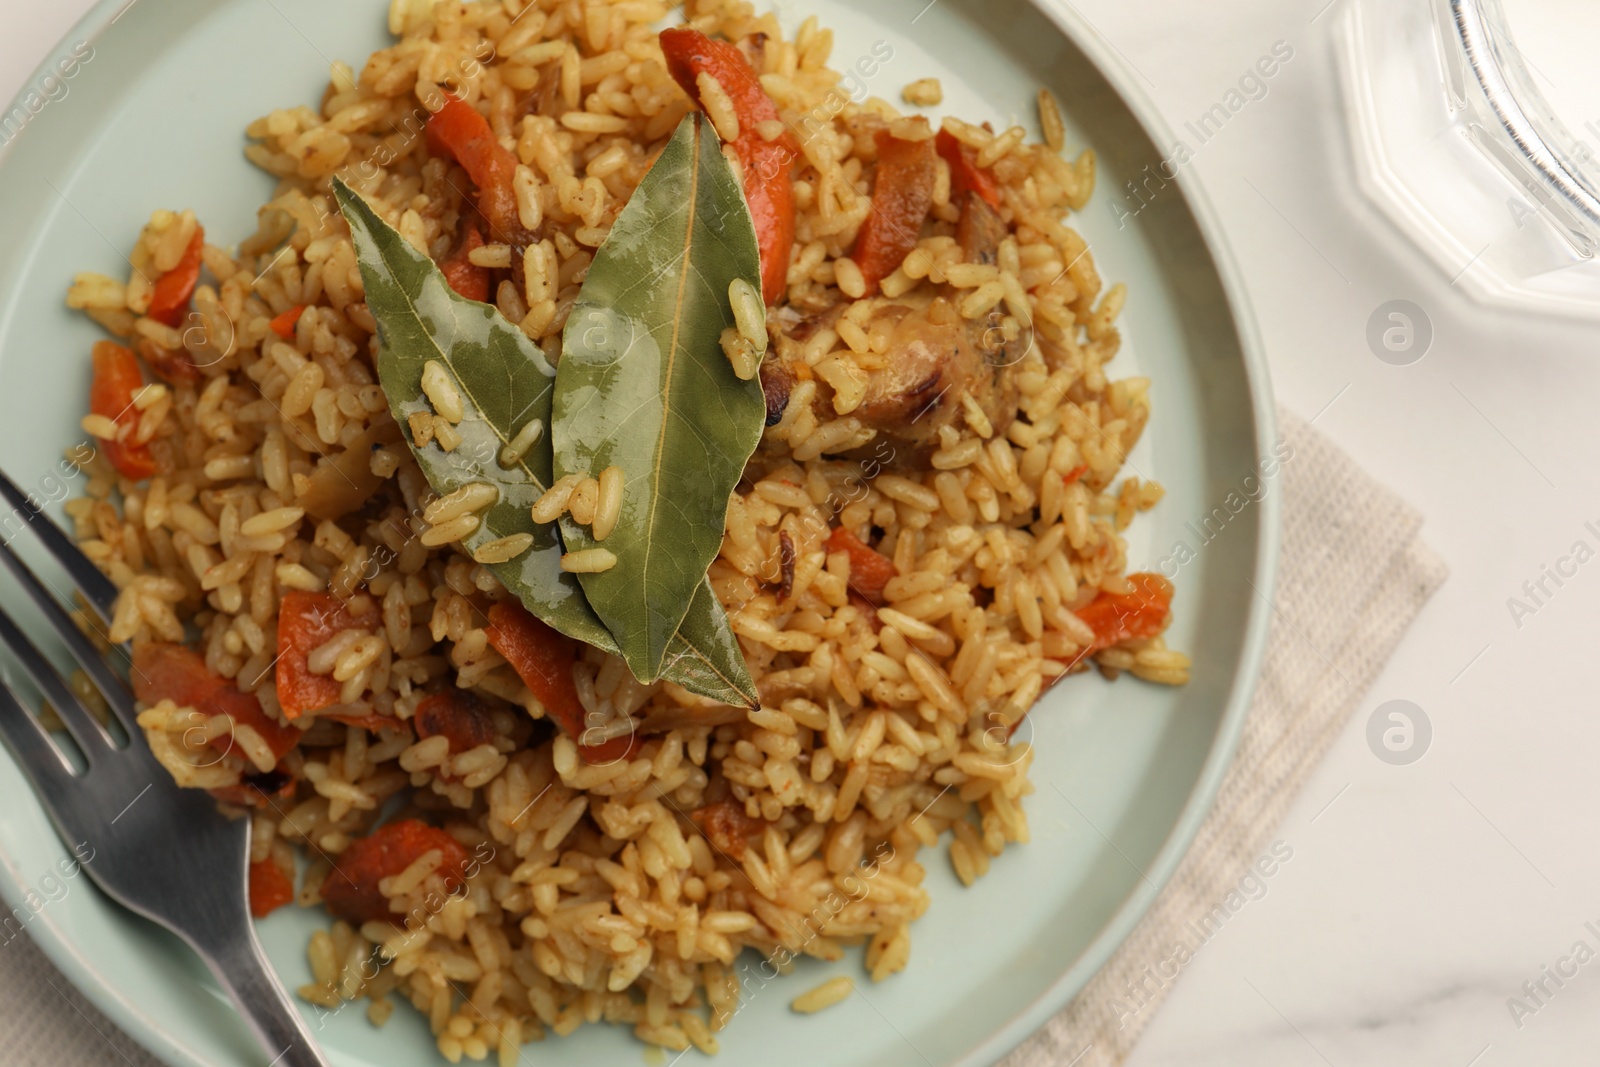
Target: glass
(1455,139)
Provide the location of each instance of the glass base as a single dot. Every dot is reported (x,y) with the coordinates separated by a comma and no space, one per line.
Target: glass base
(1434,148)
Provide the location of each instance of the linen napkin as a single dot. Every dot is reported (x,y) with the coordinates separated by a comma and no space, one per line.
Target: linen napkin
(1353,576)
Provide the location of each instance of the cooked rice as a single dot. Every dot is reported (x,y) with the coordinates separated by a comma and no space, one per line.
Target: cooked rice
(502,549)
(608,503)
(522,443)
(588,560)
(826,995)
(593,895)
(440,390)
(924,92)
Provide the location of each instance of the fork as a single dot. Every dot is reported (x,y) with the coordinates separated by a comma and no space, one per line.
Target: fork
(159,850)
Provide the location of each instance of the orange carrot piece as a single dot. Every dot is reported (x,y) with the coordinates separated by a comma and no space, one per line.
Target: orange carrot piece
(306,621)
(171,293)
(283,325)
(766,164)
(543,659)
(902,196)
(116,377)
(163,671)
(1119,617)
(466,277)
(870,570)
(457,129)
(965,174)
(456,714)
(351,889)
(270,888)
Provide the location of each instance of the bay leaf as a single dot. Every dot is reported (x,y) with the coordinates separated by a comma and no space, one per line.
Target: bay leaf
(643,384)
(504,381)
(704,656)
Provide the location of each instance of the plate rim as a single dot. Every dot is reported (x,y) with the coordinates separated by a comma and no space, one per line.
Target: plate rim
(159,1041)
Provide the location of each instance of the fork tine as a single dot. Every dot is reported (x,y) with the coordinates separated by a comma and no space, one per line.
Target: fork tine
(113,688)
(92,738)
(30,743)
(96,587)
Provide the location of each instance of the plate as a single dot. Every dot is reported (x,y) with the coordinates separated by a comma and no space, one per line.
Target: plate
(153,115)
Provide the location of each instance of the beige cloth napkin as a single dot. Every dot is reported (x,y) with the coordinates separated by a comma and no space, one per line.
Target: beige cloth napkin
(1353,576)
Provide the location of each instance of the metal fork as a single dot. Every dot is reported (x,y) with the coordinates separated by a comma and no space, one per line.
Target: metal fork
(161,851)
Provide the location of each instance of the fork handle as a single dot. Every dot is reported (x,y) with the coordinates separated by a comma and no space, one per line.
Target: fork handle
(237,961)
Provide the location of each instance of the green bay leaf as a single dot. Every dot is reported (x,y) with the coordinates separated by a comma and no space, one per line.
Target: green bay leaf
(643,384)
(704,655)
(505,381)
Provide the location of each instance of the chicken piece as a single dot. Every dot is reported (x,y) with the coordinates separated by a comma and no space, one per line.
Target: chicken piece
(934,358)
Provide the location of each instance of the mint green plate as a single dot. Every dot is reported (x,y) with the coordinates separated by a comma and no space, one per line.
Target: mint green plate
(1125,772)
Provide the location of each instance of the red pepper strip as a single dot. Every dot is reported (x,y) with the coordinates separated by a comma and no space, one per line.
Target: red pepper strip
(283,325)
(306,621)
(870,570)
(174,288)
(270,888)
(902,196)
(116,378)
(965,173)
(458,715)
(351,891)
(457,129)
(466,277)
(163,671)
(543,659)
(766,164)
(1119,617)
(1075,473)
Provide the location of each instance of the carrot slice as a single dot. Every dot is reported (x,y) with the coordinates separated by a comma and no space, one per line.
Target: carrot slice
(766,164)
(163,671)
(458,130)
(965,174)
(283,325)
(1119,617)
(351,889)
(116,377)
(543,659)
(870,570)
(305,622)
(170,297)
(270,888)
(902,196)
(466,277)
(456,714)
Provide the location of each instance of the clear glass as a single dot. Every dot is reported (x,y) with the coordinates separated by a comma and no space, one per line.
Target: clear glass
(1455,139)
(1488,78)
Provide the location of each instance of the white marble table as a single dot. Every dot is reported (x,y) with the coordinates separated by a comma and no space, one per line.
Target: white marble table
(1420,898)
